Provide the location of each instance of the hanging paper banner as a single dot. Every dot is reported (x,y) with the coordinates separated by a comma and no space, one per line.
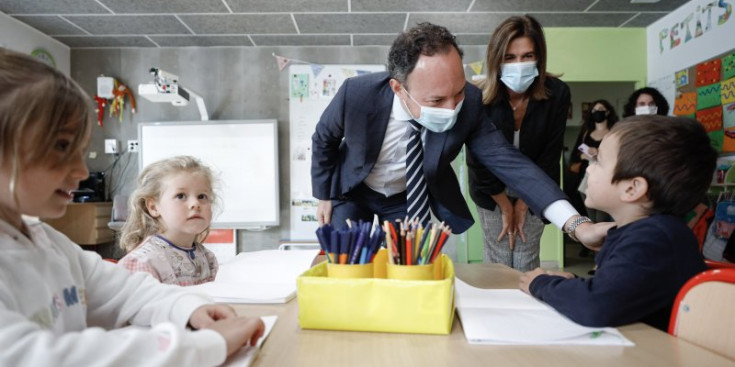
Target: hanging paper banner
(349,73)
(282,62)
(316,69)
(476,67)
(363,72)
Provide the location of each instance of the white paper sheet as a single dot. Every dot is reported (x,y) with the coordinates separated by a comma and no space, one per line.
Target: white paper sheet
(510,316)
(267,276)
(246,355)
(247,292)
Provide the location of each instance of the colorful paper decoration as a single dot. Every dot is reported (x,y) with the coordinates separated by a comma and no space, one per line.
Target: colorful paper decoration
(682,78)
(300,85)
(708,96)
(727,91)
(728,116)
(282,62)
(728,66)
(708,72)
(477,67)
(711,118)
(718,140)
(686,104)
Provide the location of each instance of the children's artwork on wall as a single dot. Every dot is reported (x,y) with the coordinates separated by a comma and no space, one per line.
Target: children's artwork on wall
(682,78)
(685,104)
(727,91)
(728,66)
(717,140)
(300,85)
(728,115)
(708,72)
(711,118)
(708,96)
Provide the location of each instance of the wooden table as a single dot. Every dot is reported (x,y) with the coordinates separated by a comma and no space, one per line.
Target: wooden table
(289,345)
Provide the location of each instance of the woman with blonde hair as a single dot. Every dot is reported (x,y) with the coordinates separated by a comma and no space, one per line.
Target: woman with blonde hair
(530,107)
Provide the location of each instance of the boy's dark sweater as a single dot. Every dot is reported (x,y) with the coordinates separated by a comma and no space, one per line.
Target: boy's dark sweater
(640,269)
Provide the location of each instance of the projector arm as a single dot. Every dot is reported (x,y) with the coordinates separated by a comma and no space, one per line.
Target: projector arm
(200,103)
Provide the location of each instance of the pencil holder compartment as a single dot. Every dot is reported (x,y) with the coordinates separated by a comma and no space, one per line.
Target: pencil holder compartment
(349,271)
(414,272)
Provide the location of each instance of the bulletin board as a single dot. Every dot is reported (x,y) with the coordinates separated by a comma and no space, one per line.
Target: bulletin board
(706,92)
(243,155)
(311,88)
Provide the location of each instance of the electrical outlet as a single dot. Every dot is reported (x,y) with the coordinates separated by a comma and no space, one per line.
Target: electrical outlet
(111,146)
(133,146)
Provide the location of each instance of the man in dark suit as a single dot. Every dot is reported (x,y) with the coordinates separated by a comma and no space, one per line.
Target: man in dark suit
(362,162)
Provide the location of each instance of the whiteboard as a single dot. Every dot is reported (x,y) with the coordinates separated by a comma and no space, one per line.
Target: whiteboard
(243,155)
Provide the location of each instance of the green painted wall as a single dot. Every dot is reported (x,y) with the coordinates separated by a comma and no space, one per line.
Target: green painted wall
(579,55)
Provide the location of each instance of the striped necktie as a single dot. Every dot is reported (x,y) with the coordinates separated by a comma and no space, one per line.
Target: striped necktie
(417,192)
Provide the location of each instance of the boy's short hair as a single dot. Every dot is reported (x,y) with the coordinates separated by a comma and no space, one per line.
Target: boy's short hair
(673,154)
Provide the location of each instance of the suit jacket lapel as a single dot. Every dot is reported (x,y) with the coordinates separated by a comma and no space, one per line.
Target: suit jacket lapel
(379,116)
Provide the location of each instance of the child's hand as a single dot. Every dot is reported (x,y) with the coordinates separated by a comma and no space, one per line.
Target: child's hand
(206,315)
(528,277)
(239,331)
(562,274)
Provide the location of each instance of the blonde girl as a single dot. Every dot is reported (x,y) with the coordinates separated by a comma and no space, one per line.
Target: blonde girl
(58,303)
(170,214)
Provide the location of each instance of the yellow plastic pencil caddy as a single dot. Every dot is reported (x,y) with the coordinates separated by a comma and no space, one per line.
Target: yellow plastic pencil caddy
(377,304)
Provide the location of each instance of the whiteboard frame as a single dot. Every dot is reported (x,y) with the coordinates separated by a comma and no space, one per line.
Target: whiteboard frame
(235,225)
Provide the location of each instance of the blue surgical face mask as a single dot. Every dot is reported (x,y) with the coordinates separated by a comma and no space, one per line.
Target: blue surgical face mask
(518,76)
(435,119)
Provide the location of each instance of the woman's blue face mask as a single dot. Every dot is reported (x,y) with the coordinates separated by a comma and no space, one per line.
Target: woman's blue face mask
(518,76)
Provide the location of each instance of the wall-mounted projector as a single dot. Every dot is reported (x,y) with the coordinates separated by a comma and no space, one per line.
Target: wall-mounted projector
(165,88)
(177,97)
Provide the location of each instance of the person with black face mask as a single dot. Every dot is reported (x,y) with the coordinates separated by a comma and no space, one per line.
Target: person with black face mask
(600,119)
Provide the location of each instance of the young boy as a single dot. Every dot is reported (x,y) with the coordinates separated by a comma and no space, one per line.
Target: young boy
(648,173)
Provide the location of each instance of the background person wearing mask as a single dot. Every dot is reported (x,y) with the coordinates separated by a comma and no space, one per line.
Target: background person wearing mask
(600,119)
(646,101)
(530,107)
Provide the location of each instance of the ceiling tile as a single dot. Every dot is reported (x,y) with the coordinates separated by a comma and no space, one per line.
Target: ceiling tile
(531,5)
(473,39)
(582,19)
(374,39)
(240,23)
(130,24)
(50,24)
(301,6)
(201,41)
(106,41)
(52,7)
(409,5)
(165,6)
(350,23)
(461,22)
(302,40)
(644,19)
(617,5)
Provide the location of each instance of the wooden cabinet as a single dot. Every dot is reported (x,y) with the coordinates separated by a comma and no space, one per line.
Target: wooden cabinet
(85,223)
